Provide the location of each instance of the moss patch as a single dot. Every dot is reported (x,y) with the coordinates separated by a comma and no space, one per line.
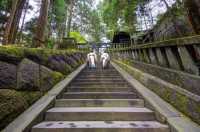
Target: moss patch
(12,51)
(13,103)
(56,77)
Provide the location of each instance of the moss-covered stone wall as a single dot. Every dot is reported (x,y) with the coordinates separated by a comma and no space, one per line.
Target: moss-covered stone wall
(186,81)
(182,100)
(26,74)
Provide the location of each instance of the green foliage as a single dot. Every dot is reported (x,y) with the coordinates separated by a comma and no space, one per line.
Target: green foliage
(57,76)
(59,10)
(50,43)
(119,15)
(79,38)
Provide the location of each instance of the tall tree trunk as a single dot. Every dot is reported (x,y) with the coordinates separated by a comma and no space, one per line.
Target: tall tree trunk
(23,22)
(70,17)
(15,24)
(193,12)
(65,26)
(10,21)
(50,21)
(13,21)
(39,38)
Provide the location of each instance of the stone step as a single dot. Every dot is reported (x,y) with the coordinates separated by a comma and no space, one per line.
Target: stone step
(100,80)
(86,89)
(99,103)
(100,72)
(99,77)
(99,114)
(99,83)
(99,95)
(98,86)
(100,126)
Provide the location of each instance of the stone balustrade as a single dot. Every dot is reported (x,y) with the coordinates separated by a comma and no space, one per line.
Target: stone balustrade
(169,68)
(182,54)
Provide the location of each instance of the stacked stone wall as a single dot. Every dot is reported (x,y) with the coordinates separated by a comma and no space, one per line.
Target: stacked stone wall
(27,74)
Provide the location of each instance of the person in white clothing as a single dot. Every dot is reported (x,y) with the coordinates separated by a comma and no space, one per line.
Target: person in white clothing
(92,59)
(105,60)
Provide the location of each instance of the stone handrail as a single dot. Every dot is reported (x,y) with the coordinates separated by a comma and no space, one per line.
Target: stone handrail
(182,54)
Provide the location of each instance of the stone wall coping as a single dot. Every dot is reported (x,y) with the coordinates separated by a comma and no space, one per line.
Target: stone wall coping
(22,122)
(172,86)
(191,40)
(176,121)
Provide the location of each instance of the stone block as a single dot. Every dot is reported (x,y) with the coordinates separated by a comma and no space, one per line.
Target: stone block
(28,77)
(58,64)
(48,78)
(8,75)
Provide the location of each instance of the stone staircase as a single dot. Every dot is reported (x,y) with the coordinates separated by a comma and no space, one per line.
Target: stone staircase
(100,101)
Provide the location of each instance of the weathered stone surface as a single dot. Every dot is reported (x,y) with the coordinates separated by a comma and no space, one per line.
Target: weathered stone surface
(152,57)
(146,56)
(187,61)
(13,103)
(48,78)
(71,61)
(136,55)
(173,62)
(8,75)
(46,81)
(33,114)
(58,64)
(176,96)
(11,55)
(28,75)
(197,51)
(161,59)
(186,81)
(141,56)
(78,58)
(133,55)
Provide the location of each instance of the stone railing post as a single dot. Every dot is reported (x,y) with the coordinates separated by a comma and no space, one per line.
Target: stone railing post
(133,55)
(146,56)
(187,61)
(141,56)
(162,60)
(172,59)
(152,56)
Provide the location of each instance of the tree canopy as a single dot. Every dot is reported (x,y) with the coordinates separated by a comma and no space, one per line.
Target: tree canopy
(93,20)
